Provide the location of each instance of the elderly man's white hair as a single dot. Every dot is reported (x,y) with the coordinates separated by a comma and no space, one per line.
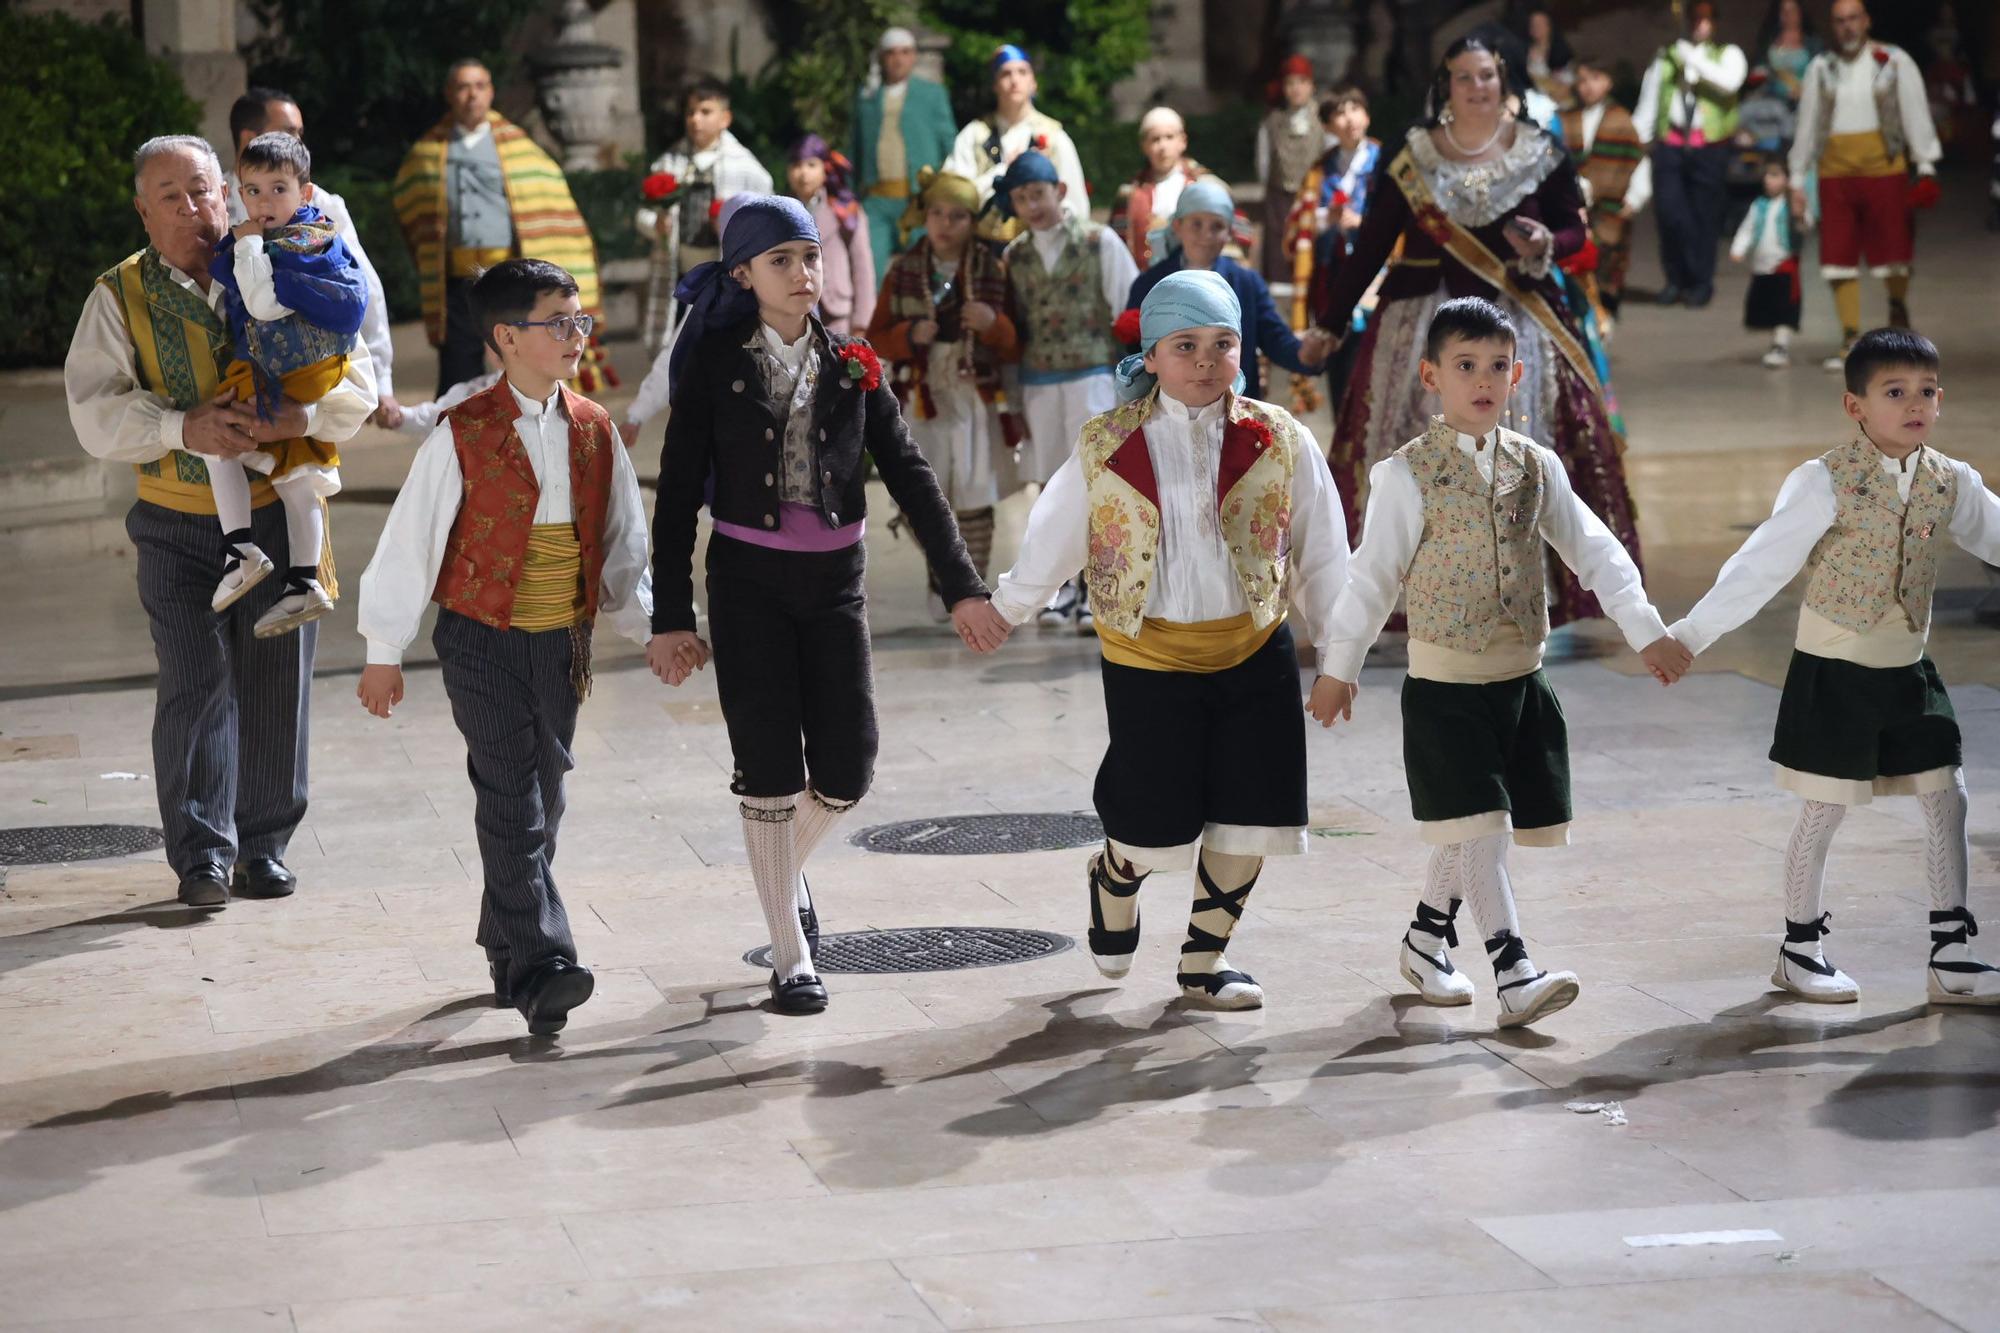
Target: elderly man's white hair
(163,144)
(1161,118)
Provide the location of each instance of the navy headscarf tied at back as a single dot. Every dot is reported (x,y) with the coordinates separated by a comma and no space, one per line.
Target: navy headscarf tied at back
(751,224)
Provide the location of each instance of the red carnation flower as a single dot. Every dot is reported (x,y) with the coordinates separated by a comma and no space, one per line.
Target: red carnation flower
(1881,56)
(1340,199)
(1584,260)
(1256,429)
(714,209)
(1040,143)
(863,367)
(1126,328)
(659,185)
(1924,192)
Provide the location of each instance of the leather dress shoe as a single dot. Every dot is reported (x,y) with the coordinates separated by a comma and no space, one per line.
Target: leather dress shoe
(205,886)
(800,995)
(548,993)
(1668,295)
(1700,297)
(263,877)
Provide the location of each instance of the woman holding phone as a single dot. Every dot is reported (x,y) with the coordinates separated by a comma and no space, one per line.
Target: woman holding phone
(1485,205)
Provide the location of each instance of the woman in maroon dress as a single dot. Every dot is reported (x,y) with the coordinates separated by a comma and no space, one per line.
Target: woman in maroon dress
(1484,204)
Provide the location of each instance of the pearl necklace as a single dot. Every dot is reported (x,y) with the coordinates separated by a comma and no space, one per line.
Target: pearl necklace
(1481,150)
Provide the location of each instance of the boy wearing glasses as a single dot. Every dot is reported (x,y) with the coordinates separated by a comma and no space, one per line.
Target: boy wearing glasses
(521,519)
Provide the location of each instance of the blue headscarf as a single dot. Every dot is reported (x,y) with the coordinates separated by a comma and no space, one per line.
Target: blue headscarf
(1030,168)
(1204,195)
(751,224)
(1189,299)
(1006,54)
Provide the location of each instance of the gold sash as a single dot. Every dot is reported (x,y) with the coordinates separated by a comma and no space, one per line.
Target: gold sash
(1203,647)
(1470,251)
(550,592)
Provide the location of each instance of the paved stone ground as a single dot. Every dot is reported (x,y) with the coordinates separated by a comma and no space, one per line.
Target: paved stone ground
(303,1115)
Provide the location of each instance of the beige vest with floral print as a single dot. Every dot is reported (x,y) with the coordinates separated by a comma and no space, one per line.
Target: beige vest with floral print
(1480,559)
(1260,445)
(1880,552)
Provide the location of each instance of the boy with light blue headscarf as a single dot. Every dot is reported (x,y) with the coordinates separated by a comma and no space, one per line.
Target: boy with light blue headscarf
(1198,516)
(1201,225)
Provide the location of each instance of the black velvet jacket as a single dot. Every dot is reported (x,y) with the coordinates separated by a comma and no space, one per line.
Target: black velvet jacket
(724,426)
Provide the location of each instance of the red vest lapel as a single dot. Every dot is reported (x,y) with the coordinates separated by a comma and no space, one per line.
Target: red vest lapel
(1242,445)
(1133,464)
(507,410)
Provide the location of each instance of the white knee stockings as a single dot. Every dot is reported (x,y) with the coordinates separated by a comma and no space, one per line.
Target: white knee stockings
(770,837)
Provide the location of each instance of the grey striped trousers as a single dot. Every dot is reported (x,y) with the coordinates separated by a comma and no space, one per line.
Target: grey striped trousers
(512,698)
(231,711)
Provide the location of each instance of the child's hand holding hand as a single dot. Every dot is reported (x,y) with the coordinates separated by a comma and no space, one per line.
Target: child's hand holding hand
(1667,659)
(381,689)
(1331,700)
(982,628)
(1316,346)
(979,316)
(676,655)
(247,227)
(923,333)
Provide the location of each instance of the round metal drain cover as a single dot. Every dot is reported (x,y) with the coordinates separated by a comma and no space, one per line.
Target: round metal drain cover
(926,949)
(53,844)
(983,835)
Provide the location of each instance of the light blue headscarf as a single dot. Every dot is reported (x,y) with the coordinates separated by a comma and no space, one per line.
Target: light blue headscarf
(1189,299)
(1203,195)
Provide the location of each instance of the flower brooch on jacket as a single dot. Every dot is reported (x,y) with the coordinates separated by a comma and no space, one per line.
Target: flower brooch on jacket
(861,363)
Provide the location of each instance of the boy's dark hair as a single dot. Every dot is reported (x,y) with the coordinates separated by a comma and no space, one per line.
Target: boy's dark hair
(247,112)
(276,151)
(465,62)
(1346,94)
(1592,60)
(507,292)
(1473,318)
(1774,160)
(1888,349)
(705,90)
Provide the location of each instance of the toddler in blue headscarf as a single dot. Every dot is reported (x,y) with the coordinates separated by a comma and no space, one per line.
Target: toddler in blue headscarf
(1199,517)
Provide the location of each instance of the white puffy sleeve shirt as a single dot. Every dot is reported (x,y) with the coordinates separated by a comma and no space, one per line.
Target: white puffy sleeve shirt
(398,583)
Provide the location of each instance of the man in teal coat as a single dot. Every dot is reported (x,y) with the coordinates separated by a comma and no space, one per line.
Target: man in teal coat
(900,127)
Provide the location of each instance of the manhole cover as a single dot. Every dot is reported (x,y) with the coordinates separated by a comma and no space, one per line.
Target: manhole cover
(52,844)
(926,949)
(981,835)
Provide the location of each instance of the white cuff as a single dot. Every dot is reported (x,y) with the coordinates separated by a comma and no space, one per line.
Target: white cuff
(1648,624)
(384,654)
(170,428)
(1689,637)
(312,415)
(1343,662)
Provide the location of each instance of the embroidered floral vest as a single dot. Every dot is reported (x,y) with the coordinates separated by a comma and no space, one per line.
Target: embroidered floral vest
(489,538)
(1065,324)
(1480,559)
(1260,445)
(1880,552)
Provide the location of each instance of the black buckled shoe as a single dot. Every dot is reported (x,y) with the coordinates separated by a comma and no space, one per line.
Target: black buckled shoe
(549,992)
(204,886)
(263,877)
(800,995)
(809,921)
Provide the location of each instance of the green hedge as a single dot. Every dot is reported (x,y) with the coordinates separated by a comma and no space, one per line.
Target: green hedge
(77,99)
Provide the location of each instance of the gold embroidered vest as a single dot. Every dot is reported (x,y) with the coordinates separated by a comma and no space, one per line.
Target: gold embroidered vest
(1480,559)
(1880,552)
(1260,445)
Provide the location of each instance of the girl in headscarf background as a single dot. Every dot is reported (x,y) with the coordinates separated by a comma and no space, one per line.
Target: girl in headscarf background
(773,423)
(1200,229)
(1198,517)
(942,321)
(819,178)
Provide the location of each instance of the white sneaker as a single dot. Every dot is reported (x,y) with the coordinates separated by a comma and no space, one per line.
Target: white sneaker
(252,567)
(1436,980)
(1834,364)
(1777,359)
(1803,970)
(1954,975)
(293,610)
(1086,623)
(1225,988)
(1527,993)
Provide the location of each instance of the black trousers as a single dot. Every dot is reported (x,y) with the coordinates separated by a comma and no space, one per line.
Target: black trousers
(1688,194)
(793,668)
(462,355)
(515,704)
(230,713)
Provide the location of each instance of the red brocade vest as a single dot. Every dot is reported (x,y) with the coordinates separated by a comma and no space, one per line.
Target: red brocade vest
(489,538)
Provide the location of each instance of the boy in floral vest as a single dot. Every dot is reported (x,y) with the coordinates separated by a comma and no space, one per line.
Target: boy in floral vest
(1197,516)
(1864,713)
(1069,279)
(521,519)
(1456,522)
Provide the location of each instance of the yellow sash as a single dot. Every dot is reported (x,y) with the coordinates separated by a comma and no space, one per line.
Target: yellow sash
(1203,646)
(307,384)
(550,592)
(1470,251)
